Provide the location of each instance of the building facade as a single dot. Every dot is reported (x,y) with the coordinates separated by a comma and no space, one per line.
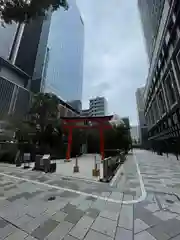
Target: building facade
(142,126)
(33,59)
(85,113)
(98,106)
(150,13)
(162,92)
(14,95)
(135,134)
(7,36)
(66,110)
(23,50)
(66,46)
(76,104)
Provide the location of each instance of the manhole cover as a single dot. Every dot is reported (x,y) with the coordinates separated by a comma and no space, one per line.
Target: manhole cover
(169,201)
(65,178)
(51,198)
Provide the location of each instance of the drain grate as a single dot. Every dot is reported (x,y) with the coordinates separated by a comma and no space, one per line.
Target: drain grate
(169,201)
(66,178)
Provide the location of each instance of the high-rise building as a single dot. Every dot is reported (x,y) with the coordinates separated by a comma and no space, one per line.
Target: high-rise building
(32,53)
(23,51)
(98,106)
(135,134)
(14,96)
(162,91)
(150,13)
(66,46)
(141,117)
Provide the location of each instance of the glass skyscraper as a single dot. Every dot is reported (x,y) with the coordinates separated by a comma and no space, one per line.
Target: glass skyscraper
(150,13)
(66,47)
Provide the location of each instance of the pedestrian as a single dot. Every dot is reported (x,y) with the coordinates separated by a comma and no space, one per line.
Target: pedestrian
(177,156)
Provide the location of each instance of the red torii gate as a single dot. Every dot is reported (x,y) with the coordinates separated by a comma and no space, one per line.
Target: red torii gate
(100,123)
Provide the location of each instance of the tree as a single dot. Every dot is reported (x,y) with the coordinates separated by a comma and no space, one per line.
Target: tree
(118,138)
(44,115)
(22,11)
(44,110)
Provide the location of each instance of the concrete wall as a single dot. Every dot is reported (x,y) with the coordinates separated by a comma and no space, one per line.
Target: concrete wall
(12,76)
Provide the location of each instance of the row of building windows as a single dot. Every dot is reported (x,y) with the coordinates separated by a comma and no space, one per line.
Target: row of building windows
(164,92)
(167,124)
(165,98)
(170,41)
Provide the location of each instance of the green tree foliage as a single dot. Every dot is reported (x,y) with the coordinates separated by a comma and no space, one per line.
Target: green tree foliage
(44,111)
(42,126)
(44,114)
(24,10)
(118,138)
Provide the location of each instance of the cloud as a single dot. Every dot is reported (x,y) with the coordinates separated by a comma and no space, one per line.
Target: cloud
(115,62)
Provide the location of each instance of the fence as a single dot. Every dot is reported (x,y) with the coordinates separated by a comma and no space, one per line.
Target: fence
(110,165)
(14,100)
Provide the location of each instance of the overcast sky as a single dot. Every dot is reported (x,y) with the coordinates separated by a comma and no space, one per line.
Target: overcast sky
(115,62)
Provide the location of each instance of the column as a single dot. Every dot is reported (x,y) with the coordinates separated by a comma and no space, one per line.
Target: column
(16,43)
(68,153)
(176,79)
(165,97)
(101,142)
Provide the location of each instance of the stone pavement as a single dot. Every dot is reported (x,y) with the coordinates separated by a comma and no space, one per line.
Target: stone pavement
(86,163)
(34,205)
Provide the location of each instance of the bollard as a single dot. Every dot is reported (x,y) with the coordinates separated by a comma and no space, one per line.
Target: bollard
(95,171)
(76,167)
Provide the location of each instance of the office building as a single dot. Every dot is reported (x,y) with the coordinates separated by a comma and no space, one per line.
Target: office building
(135,134)
(85,113)
(14,96)
(76,104)
(66,47)
(142,126)
(66,110)
(23,51)
(162,91)
(150,13)
(98,106)
(33,59)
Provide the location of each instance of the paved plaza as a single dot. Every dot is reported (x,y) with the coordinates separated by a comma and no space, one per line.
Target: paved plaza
(142,202)
(86,163)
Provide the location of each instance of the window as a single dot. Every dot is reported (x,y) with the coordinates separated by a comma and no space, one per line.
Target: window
(178,59)
(176,7)
(169,122)
(159,63)
(175,118)
(162,103)
(167,37)
(170,90)
(155,110)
